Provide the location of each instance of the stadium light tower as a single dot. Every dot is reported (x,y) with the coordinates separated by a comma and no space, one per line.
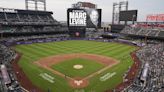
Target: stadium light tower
(36,4)
(117,7)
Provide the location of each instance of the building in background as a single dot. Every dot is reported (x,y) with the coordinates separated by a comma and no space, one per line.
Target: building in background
(84,5)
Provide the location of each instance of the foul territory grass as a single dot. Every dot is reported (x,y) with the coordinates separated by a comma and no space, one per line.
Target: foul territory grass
(33,52)
(66,67)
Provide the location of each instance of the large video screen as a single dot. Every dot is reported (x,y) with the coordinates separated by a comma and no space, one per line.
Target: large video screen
(130,15)
(90,18)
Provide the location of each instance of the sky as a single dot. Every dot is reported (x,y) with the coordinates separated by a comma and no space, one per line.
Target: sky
(59,7)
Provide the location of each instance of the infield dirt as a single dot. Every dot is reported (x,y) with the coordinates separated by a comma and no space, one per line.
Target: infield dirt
(47,62)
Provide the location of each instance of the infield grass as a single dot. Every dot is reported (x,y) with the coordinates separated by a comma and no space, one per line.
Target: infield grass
(33,52)
(89,66)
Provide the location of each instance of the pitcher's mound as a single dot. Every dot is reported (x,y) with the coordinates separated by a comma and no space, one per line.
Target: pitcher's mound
(78,67)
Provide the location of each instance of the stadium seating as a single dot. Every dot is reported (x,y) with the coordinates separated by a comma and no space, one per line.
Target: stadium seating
(161,34)
(154,32)
(6,56)
(2,17)
(29,21)
(11,17)
(24,18)
(138,31)
(35,22)
(154,56)
(127,30)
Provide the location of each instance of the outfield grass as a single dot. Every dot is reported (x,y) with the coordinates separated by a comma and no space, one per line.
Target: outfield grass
(34,52)
(66,67)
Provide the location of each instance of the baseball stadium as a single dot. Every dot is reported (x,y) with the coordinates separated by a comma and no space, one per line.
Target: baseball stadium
(83,53)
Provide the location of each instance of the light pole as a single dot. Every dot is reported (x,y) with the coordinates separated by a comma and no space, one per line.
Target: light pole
(133,19)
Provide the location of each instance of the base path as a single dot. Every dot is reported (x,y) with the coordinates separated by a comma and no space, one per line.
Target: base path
(76,82)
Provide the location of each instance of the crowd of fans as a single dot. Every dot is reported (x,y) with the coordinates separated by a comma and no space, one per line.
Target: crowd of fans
(6,56)
(152,78)
(142,31)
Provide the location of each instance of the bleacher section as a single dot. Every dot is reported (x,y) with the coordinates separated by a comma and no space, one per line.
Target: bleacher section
(144,32)
(26,16)
(153,55)
(161,34)
(6,56)
(22,21)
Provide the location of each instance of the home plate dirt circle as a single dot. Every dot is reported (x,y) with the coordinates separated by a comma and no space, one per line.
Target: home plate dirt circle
(79,83)
(78,67)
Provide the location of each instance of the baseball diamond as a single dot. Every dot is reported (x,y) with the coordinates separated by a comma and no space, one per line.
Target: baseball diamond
(50,65)
(69,46)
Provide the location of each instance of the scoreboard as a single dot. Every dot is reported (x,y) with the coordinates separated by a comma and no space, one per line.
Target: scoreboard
(129,15)
(88,18)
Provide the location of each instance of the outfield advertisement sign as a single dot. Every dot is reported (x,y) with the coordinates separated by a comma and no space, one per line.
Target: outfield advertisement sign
(90,18)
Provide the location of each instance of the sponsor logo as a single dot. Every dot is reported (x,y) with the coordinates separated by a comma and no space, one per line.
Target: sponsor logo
(107,76)
(77,34)
(47,77)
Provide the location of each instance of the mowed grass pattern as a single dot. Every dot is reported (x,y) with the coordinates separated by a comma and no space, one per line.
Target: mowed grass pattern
(33,52)
(89,67)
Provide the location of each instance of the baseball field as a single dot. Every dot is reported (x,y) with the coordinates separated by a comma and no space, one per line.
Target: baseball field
(76,65)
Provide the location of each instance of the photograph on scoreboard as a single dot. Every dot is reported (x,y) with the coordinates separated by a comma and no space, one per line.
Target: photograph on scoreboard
(93,18)
(90,18)
(129,15)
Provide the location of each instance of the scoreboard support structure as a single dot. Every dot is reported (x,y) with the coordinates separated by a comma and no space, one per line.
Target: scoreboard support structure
(117,7)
